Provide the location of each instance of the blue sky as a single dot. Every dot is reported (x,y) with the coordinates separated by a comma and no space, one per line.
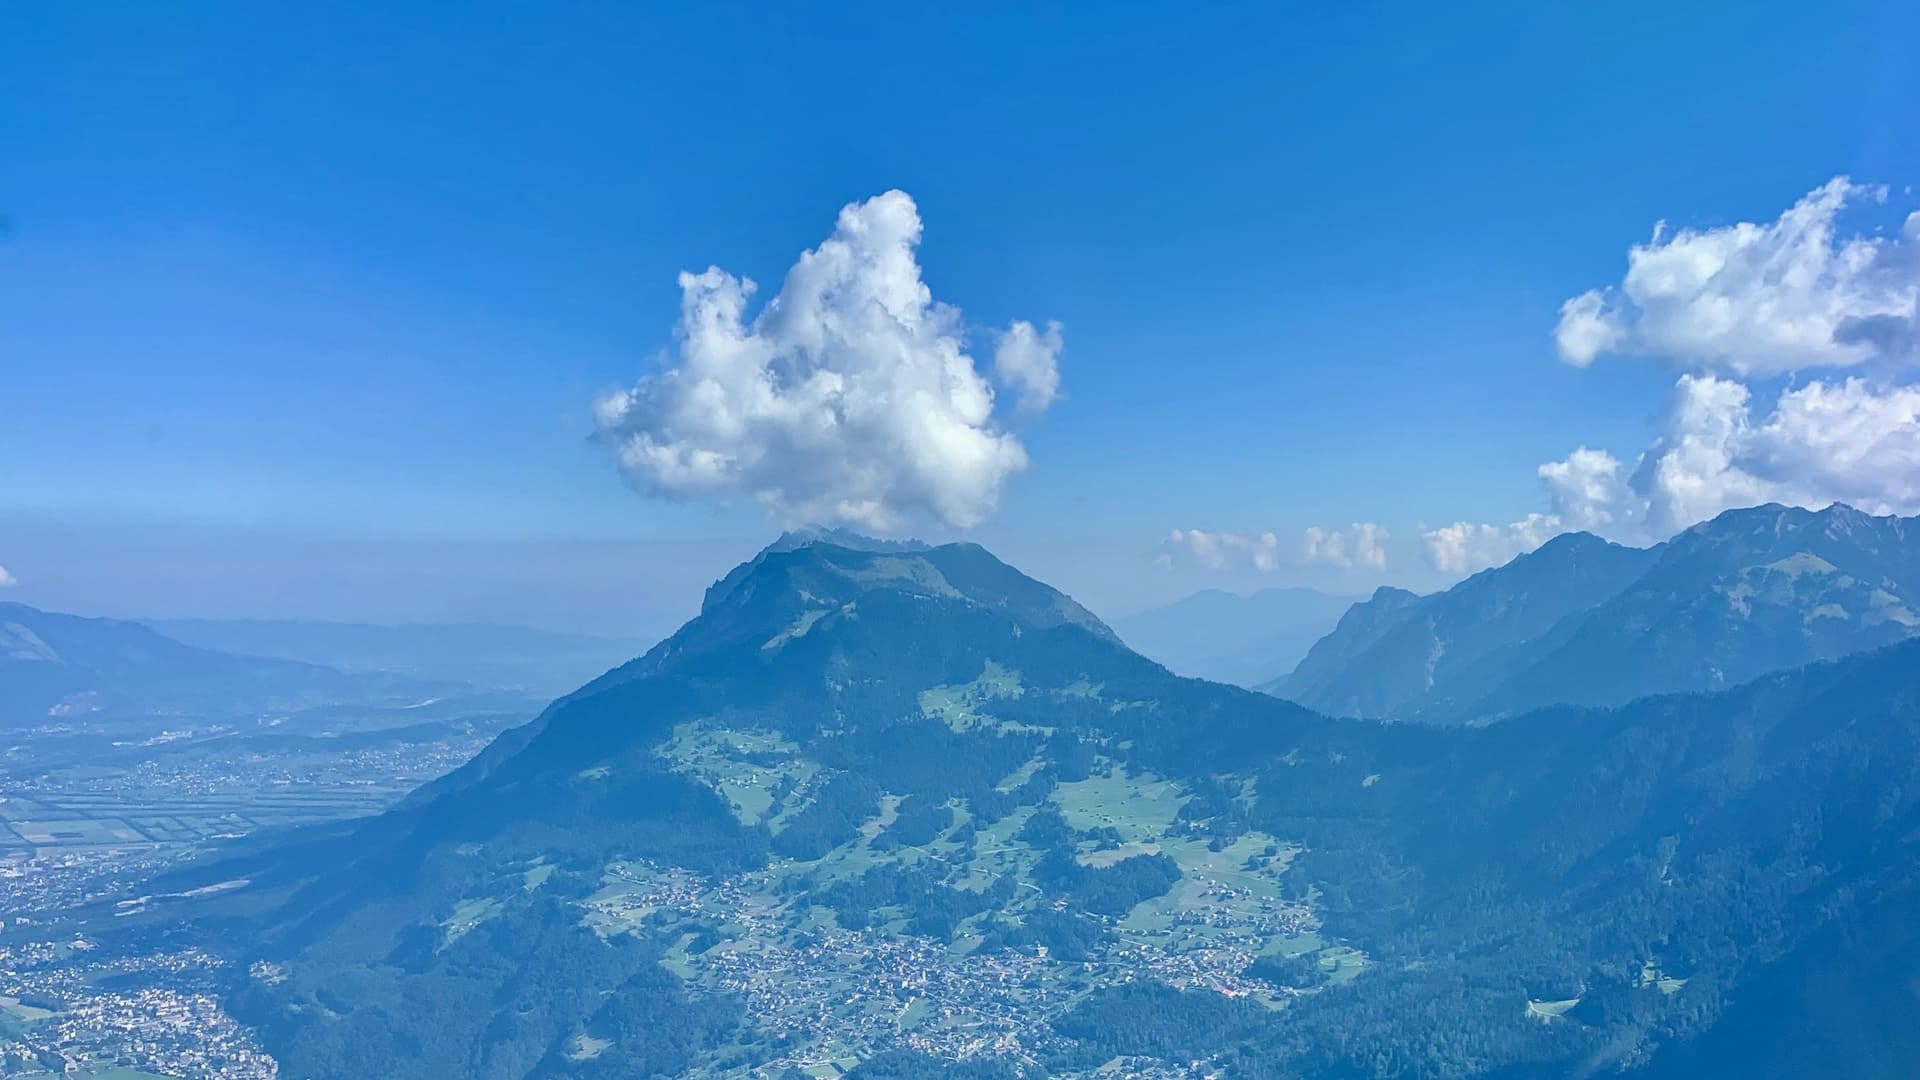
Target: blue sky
(296,302)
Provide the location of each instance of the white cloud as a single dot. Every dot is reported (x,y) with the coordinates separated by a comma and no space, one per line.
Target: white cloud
(1750,300)
(1587,491)
(1823,442)
(6,579)
(850,397)
(1360,544)
(1222,550)
(1849,441)
(1028,361)
(1465,548)
(1757,299)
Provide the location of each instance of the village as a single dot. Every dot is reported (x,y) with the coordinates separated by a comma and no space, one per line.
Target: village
(830,997)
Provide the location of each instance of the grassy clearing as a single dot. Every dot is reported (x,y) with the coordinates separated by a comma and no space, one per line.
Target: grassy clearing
(959,706)
(1652,976)
(1140,808)
(745,767)
(584,1047)
(798,630)
(29,1013)
(1342,963)
(468,914)
(1022,774)
(1113,855)
(1549,1011)
(894,568)
(1217,883)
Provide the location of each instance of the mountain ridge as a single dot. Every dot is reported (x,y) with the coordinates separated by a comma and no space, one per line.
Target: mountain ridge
(1754,590)
(100,669)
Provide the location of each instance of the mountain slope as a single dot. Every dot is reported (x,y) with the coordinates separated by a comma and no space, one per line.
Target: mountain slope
(1581,621)
(1229,638)
(1400,655)
(72,669)
(1728,600)
(861,781)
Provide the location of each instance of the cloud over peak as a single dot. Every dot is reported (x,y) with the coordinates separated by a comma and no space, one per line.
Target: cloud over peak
(1851,441)
(1759,299)
(849,398)
(1464,547)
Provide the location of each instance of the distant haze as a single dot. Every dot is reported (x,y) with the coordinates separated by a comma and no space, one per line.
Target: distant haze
(1230,638)
(508,657)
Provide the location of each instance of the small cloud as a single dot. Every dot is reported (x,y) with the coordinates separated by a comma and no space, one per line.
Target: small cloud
(849,398)
(6,579)
(1221,550)
(1759,298)
(1359,544)
(1466,548)
(1028,361)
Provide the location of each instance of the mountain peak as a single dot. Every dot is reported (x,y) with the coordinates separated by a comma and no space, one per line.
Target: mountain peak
(839,536)
(805,579)
(805,536)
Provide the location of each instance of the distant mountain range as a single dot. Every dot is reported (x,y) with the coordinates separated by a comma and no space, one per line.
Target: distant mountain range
(911,813)
(107,692)
(503,657)
(1583,621)
(68,668)
(1244,640)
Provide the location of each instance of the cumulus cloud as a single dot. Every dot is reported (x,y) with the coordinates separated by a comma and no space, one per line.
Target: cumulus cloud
(1359,544)
(1845,441)
(1587,491)
(6,579)
(1028,361)
(1850,441)
(1759,299)
(1742,303)
(1464,547)
(1222,550)
(849,398)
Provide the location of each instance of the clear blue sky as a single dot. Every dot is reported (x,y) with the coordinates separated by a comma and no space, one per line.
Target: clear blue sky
(295,301)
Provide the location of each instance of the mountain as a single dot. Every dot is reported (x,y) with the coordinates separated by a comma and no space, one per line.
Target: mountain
(1230,638)
(1358,628)
(1752,591)
(72,670)
(506,657)
(911,813)
(1398,654)
(1582,621)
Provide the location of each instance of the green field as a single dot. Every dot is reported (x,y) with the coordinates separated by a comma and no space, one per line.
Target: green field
(12,1007)
(80,817)
(78,831)
(745,767)
(963,707)
(1140,808)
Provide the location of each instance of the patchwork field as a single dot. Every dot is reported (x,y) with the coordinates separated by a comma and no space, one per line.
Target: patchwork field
(82,819)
